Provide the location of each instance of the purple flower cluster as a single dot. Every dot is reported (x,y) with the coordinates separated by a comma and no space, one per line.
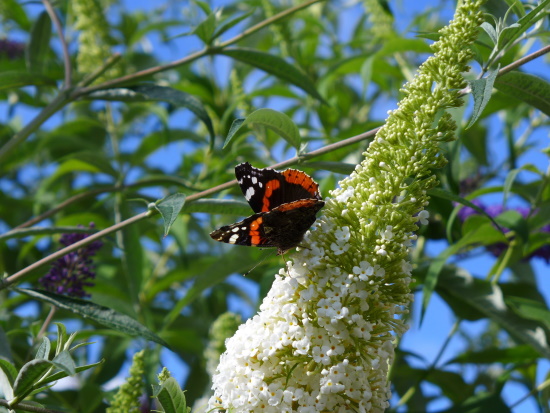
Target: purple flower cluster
(494,211)
(72,272)
(11,49)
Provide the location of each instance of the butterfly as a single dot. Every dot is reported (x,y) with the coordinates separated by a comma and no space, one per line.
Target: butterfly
(285,205)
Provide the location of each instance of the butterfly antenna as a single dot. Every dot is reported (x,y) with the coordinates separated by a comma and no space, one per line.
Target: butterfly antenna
(261,262)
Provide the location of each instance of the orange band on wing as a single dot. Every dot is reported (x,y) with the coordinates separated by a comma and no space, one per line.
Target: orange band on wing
(294,176)
(269,188)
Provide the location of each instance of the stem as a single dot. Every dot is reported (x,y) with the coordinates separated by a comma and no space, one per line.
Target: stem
(66,57)
(28,407)
(523,60)
(47,322)
(90,77)
(194,56)
(73,247)
(409,393)
(540,387)
(55,105)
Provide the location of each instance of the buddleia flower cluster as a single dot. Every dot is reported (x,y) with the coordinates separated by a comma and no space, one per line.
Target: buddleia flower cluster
(94,39)
(73,272)
(127,398)
(324,337)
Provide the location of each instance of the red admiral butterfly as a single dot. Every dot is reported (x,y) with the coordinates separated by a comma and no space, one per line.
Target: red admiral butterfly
(285,204)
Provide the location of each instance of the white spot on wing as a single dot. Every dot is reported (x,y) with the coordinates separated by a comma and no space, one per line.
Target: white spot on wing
(236,229)
(249,193)
(233,238)
(254,180)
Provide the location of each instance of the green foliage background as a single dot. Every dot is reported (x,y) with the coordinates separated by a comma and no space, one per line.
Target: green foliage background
(79,143)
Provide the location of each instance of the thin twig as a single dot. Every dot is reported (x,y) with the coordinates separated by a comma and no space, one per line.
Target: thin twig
(90,77)
(194,56)
(47,323)
(28,407)
(55,105)
(194,197)
(523,60)
(66,57)
(73,247)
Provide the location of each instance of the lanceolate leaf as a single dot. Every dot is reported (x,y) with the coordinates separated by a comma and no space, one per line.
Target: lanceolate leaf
(154,93)
(102,315)
(169,208)
(271,119)
(218,206)
(28,375)
(528,88)
(275,66)
(13,80)
(61,374)
(481,91)
(510,34)
(40,43)
(488,299)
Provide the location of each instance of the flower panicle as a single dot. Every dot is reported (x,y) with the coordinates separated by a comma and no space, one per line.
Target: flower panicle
(71,273)
(324,337)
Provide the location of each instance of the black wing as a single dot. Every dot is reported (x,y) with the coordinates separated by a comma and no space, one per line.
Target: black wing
(266,188)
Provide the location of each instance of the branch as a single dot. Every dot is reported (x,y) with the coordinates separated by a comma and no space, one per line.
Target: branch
(523,60)
(73,247)
(66,57)
(192,57)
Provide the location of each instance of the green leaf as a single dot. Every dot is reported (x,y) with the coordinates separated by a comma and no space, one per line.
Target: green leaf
(441,193)
(171,397)
(43,351)
(275,66)
(87,161)
(529,309)
(480,233)
(518,354)
(39,44)
(271,119)
(205,29)
(218,206)
(102,315)
(225,265)
(235,126)
(488,299)
(232,23)
(9,370)
(6,379)
(26,232)
(154,93)
(17,79)
(481,91)
(169,208)
(511,177)
(490,30)
(64,362)
(29,374)
(514,31)
(61,337)
(527,88)
(337,167)
(481,402)
(62,374)
(514,221)
(12,10)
